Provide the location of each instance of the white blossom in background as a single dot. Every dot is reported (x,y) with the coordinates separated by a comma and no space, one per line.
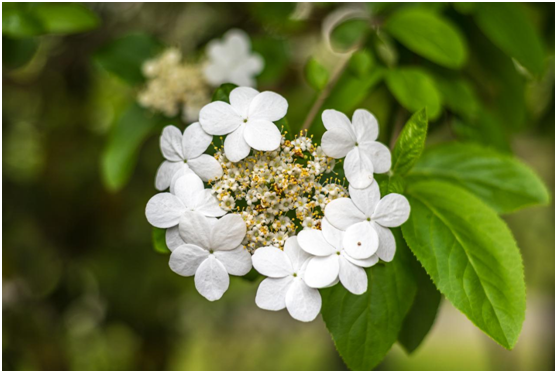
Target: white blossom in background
(285,285)
(332,261)
(356,141)
(231,60)
(213,251)
(247,120)
(183,153)
(365,213)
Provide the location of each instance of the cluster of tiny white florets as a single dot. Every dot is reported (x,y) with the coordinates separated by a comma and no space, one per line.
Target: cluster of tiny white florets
(279,192)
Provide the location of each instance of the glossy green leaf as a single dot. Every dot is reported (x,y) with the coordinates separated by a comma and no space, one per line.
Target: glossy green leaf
(364,327)
(415,89)
(65,18)
(316,74)
(159,241)
(429,35)
(390,183)
(458,95)
(410,143)
(500,180)
(222,93)
(470,254)
(508,27)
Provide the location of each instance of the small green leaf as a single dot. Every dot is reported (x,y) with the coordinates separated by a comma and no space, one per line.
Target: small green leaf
(316,75)
(17,52)
(222,93)
(415,89)
(410,143)
(159,241)
(459,96)
(361,63)
(501,181)
(65,18)
(429,35)
(125,56)
(470,254)
(507,26)
(364,327)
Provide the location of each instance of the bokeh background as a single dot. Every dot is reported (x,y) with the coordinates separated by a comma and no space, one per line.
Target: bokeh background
(82,286)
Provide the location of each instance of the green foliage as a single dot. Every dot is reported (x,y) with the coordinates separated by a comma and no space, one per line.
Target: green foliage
(410,143)
(349,34)
(17,52)
(316,74)
(487,129)
(471,256)
(429,35)
(159,241)
(364,327)
(125,56)
(414,89)
(276,53)
(458,95)
(361,63)
(391,184)
(501,181)
(222,93)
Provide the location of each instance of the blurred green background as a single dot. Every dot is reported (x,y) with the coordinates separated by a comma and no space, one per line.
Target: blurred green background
(83,287)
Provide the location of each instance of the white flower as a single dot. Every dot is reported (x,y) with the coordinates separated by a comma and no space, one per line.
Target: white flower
(248,121)
(356,141)
(366,214)
(331,261)
(185,153)
(285,285)
(232,61)
(212,251)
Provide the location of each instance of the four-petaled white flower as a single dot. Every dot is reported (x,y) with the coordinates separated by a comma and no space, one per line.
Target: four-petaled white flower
(232,61)
(332,262)
(248,121)
(365,211)
(285,286)
(356,141)
(185,153)
(212,251)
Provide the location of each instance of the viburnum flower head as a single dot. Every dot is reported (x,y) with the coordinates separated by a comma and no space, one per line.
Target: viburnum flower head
(366,214)
(285,285)
(213,250)
(247,120)
(183,153)
(356,141)
(232,61)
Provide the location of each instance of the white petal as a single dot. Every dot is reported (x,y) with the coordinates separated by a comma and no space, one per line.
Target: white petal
(196,229)
(271,294)
(214,72)
(313,242)
(333,235)
(303,303)
(254,64)
(164,210)
(358,169)
(211,279)
(379,155)
(262,135)
(365,125)
(183,170)
(342,213)
(219,118)
(366,199)
(387,244)
(360,240)
(206,167)
(392,211)
(207,204)
(165,173)
(271,261)
(365,263)
(322,271)
(195,141)
(237,41)
(240,99)
(240,77)
(171,144)
(185,260)
(237,262)
(173,239)
(186,186)
(235,146)
(268,106)
(352,277)
(228,232)
(337,144)
(216,50)
(334,120)
(295,253)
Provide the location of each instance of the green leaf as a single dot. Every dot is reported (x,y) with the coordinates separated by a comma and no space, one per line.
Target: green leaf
(316,75)
(65,18)
(364,327)
(17,52)
(429,35)
(390,184)
(361,63)
(125,56)
(18,22)
(159,241)
(348,34)
(458,95)
(276,53)
(222,93)
(121,151)
(501,181)
(507,26)
(414,89)
(410,143)
(487,129)
(470,254)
